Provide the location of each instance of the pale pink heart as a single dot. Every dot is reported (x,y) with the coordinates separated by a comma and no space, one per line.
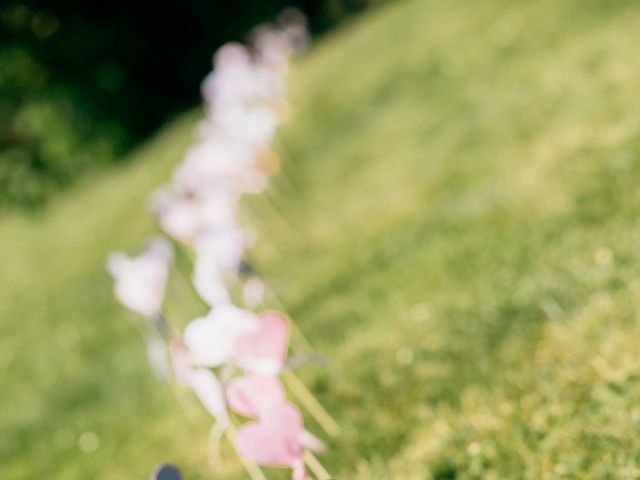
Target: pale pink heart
(255,395)
(180,219)
(140,281)
(264,350)
(211,339)
(275,439)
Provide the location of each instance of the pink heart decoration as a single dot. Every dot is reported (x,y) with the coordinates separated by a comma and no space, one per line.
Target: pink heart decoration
(255,395)
(264,350)
(275,439)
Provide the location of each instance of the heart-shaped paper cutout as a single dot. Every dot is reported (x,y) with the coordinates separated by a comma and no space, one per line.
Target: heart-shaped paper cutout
(264,350)
(211,340)
(255,395)
(275,439)
(140,281)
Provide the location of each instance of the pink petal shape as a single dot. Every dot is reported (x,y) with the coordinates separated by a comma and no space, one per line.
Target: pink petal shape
(209,391)
(311,442)
(202,381)
(140,282)
(275,439)
(264,350)
(211,339)
(255,395)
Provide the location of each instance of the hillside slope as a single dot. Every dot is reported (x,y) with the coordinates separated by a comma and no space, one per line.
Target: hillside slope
(455,228)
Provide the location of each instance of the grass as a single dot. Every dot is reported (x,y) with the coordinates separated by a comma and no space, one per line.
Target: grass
(455,228)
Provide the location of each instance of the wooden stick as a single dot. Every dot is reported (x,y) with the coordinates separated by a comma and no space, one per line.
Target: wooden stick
(302,339)
(312,405)
(315,466)
(213,446)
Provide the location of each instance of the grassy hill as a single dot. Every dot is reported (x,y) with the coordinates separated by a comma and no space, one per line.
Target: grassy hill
(455,228)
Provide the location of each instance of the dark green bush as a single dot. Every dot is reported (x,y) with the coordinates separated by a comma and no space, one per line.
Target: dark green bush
(80,82)
(46,139)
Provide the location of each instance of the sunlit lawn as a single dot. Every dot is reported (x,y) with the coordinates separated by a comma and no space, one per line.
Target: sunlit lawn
(455,228)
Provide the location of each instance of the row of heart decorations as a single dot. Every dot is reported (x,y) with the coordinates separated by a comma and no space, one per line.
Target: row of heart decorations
(231,358)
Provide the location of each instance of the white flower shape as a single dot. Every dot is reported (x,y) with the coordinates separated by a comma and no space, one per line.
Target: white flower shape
(218,255)
(254,125)
(216,162)
(186,215)
(211,340)
(224,247)
(273,47)
(208,280)
(237,79)
(140,282)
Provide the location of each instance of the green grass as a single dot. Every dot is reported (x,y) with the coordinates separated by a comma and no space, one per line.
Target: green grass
(455,228)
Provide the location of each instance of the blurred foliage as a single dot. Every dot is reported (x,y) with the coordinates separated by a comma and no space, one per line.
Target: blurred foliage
(81,82)
(45,137)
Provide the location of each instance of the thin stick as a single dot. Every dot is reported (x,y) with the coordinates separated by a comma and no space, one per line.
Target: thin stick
(187,407)
(177,302)
(253,469)
(187,277)
(213,450)
(312,405)
(297,334)
(303,394)
(302,339)
(315,466)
